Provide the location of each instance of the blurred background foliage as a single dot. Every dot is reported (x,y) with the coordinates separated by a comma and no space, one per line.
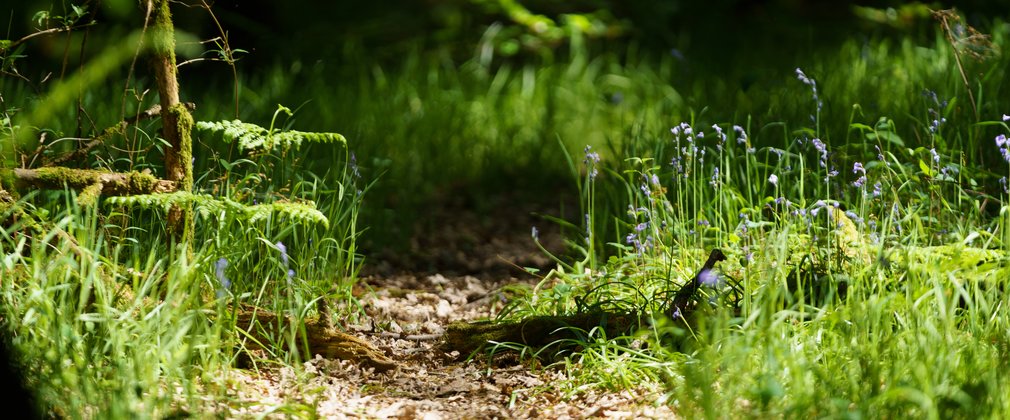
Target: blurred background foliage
(471,82)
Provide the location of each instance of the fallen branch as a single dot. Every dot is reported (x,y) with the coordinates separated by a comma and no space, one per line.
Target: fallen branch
(538,331)
(266,327)
(90,182)
(543,331)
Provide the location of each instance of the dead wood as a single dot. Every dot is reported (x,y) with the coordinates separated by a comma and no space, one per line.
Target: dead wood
(565,330)
(538,331)
(267,327)
(99,182)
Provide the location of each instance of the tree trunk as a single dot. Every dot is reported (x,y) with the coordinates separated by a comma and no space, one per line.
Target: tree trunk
(177,123)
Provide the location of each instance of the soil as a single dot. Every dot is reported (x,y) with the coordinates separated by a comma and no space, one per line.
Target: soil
(454,270)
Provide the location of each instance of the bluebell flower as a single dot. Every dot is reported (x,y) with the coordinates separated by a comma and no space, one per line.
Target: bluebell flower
(813,87)
(715,177)
(822,149)
(708,278)
(284,252)
(641,226)
(354,166)
(1002,181)
(591,160)
(936,156)
(219,267)
(857,168)
(773,179)
(876,190)
(677,167)
(741,135)
(933,128)
(855,217)
(1006,117)
(535,233)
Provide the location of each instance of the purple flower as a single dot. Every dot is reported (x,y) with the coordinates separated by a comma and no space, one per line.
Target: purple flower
(219,267)
(876,190)
(857,168)
(1006,117)
(741,136)
(813,87)
(936,125)
(708,278)
(591,159)
(284,252)
(677,167)
(1002,181)
(855,217)
(822,149)
(703,222)
(936,156)
(1001,141)
(773,179)
(641,227)
(682,128)
(803,77)
(715,176)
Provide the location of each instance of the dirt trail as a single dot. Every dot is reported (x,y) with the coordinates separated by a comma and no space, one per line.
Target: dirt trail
(478,259)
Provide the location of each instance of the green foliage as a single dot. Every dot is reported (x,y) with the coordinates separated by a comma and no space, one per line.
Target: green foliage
(254,138)
(209,206)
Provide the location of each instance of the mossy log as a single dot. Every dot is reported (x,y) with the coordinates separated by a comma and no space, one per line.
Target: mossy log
(329,343)
(538,331)
(542,331)
(90,182)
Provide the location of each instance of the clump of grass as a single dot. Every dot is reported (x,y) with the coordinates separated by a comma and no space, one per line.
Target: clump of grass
(112,320)
(865,278)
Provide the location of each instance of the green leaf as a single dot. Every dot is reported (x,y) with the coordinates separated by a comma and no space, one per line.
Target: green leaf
(926,169)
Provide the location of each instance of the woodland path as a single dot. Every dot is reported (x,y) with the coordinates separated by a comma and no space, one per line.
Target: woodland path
(465,259)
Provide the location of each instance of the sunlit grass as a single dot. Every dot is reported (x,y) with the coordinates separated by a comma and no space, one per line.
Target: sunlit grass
(916,231)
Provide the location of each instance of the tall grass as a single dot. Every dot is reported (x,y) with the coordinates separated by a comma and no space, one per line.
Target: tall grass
(865,278)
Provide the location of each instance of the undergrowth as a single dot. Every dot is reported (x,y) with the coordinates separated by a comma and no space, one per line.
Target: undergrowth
(867,261)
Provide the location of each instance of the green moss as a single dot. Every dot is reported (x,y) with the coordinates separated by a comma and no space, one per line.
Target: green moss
(141,182)
(57,175)
(185,129)
(163,41)
(89,195)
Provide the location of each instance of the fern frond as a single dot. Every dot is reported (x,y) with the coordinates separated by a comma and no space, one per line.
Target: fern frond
(253,137)
(208,206)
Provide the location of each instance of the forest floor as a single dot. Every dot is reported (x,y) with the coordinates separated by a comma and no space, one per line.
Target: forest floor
(468,259)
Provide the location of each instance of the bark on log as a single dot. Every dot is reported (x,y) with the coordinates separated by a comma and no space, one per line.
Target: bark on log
(542,331)
(267,327)
(109,183)
(538,331)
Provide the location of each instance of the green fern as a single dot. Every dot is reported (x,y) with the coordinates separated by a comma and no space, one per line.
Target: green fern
(254,137)
(208,206)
